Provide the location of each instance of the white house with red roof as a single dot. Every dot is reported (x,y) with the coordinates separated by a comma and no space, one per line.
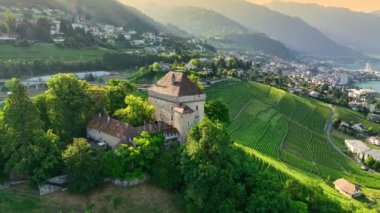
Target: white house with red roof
(113,132)
(178,102)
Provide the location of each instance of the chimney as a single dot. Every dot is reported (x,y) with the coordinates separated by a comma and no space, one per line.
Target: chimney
(173,79)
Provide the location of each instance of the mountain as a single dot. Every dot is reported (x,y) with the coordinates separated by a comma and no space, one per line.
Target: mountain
(356,30)
(376,12)
(201,22)
(293,32)
(257,42)
(105,11)
(220,30)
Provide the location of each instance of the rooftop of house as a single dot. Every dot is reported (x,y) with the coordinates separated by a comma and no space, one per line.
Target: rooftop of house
(374,153)
(357,144)
(120,129)
(111,126)
(346,186)
(176,84)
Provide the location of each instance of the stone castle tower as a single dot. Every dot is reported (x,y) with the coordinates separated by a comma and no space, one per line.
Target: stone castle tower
(178,102)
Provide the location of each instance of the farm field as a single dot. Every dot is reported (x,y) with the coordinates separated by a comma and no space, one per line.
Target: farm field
(47,51)
(142,198)
(289,130)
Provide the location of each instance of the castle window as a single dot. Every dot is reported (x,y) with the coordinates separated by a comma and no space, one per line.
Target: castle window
(196,107)
(172,117)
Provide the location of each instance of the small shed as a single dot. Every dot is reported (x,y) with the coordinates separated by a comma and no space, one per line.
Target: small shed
(55,184)
(346,188)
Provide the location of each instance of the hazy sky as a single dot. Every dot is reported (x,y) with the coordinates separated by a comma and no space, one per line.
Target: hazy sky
(357,5)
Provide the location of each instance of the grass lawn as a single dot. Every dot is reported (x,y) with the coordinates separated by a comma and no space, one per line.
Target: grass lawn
(142,198)
(373,146)
(48,51)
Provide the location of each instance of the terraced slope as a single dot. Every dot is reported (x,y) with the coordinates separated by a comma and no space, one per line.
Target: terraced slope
(288,129)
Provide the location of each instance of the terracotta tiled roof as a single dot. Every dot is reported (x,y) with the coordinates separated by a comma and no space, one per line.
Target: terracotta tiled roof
(176,84)
(346,186)
(120,129)
(183,109)
(111,126)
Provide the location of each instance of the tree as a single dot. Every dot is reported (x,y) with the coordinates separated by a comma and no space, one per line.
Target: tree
(68,105)
(85,166)
(44,156)
(163,168)
(98,100)
(149,146)
(137,112)
(195,79)
(20,122)
(129,162)
(4,28)
(195,62)
(27,148)
(370,162)
(10,21)
(216,110)
(40,102)
(155,67)
(117,90)
(207,170)
(41,30)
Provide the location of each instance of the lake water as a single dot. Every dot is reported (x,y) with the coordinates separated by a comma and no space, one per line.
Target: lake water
(369,85)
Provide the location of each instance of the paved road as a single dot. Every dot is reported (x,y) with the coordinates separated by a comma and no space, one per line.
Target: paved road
(328,129)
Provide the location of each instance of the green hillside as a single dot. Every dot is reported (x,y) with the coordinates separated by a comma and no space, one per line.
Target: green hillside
(99,10)
(288,132)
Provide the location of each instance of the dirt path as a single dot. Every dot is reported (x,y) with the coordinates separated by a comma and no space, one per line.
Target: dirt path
(242,110)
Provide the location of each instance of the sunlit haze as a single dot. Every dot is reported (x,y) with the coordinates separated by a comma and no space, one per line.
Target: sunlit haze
(356,5)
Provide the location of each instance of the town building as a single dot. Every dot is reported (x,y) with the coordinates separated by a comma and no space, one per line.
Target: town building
(361,150)
(346,188)
(357,147)
(373,153)
(104,129)
(374,141)
(178,102)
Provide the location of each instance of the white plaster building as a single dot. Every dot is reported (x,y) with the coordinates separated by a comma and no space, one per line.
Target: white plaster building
(178,102)
(112,132)
(374,141)
(357,147)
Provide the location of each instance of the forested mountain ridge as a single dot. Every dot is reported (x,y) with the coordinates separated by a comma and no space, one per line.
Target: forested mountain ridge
(293,32)
(356,30)
(221,30)
(201,22)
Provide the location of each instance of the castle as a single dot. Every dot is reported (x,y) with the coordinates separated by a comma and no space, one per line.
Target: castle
(178,102)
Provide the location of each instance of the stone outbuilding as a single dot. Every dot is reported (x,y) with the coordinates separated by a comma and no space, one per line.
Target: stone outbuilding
(346,188)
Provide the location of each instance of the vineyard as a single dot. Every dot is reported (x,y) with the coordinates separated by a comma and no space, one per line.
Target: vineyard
(289,129)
